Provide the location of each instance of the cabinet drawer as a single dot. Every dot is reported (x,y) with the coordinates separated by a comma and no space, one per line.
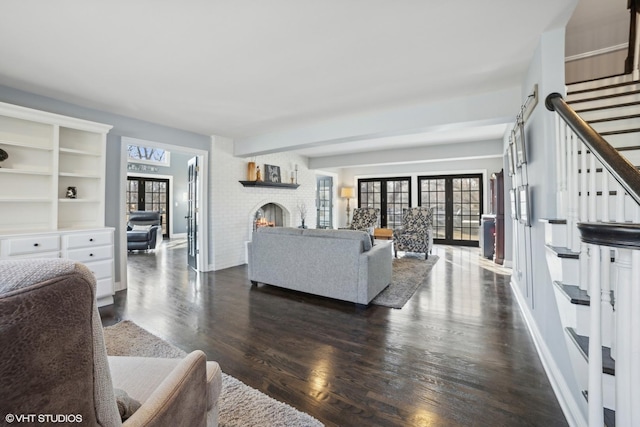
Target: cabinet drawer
(38,255)
(90,254)
(101,269)
(29,245)
(104,287)
(84,240)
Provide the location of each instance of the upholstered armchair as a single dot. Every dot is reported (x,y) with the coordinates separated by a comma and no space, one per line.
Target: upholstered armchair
(365,219)
(143,229)
(416,233)
(53,359)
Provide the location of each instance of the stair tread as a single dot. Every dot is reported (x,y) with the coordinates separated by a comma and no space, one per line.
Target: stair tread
(576,295)
(564,252)
(609,414)
(609,417)
(608,364)
(554,220)
(606,107)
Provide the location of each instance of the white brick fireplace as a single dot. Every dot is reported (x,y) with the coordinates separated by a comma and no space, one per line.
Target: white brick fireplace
(233,207)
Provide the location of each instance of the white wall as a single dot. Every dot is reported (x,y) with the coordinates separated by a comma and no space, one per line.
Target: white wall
(232,205)
(531,280)
(596,66)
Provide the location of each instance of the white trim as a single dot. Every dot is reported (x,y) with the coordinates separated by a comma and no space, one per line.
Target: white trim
(596,52)
(569,405)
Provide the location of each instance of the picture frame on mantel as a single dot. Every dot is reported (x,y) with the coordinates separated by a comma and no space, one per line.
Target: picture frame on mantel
(272,174)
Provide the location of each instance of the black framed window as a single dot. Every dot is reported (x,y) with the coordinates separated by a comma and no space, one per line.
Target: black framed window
(390,195)
(149,194)
(457,202)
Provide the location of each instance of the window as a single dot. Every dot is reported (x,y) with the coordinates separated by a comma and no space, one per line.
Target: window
(148,155)
(457,207)
(390,195)
(324,201)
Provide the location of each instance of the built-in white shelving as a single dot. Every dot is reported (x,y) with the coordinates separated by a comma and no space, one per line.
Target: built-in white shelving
(47,154)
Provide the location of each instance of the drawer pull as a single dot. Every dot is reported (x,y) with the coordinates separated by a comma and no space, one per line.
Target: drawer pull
(36,244)
(91,240)
(90,254)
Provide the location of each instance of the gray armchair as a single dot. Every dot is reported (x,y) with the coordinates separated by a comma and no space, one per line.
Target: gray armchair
(53,359)
(143,229)
(416,233)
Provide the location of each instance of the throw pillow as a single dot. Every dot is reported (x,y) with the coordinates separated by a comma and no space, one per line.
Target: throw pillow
(141,227)
(127,405)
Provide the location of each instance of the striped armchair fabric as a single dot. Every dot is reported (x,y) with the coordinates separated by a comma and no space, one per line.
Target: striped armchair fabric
(416,233)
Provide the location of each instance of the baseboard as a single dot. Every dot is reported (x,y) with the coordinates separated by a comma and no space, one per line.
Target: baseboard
(569,405)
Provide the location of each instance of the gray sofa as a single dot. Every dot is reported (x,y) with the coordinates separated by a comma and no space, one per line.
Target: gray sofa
(340,264)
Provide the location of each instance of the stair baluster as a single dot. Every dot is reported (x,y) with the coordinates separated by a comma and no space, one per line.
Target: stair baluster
(596,415)
(582,151)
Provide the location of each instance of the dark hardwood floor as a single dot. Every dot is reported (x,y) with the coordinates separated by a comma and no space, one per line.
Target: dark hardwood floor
(457,354)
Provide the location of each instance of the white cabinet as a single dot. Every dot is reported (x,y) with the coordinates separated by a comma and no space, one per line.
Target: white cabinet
(92,247)
(47,154)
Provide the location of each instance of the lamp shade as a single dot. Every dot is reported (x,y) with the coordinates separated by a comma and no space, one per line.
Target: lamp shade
(347,193)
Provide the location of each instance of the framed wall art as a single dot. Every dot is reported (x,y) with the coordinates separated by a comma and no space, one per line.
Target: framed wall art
(272,173)
(519,144)
(524,208)
(513,201)
(511,160)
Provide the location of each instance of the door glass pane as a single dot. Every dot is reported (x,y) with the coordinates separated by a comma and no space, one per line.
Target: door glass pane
(458,211)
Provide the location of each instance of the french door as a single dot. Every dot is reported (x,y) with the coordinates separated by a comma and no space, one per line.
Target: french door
(457,202)
(324,202)
(149,194)
(192,213)
(390,195)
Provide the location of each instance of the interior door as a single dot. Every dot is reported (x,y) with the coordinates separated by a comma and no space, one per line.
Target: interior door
(192,213)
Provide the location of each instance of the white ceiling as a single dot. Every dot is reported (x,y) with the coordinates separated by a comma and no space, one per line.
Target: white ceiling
(245,68)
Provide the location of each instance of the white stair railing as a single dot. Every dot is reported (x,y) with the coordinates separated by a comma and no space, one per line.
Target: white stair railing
(586,203)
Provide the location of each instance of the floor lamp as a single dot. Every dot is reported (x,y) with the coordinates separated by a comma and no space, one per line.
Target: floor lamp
(347,193)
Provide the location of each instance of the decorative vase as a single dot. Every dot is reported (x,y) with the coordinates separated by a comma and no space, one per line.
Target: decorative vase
(3,156)
(251,171)
(72,192)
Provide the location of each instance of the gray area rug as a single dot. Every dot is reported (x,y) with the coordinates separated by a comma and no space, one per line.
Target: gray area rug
(240,405)
(409,272)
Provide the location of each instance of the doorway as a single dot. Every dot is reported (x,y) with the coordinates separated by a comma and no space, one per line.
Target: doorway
(457,202)
(149,194)
(201,220)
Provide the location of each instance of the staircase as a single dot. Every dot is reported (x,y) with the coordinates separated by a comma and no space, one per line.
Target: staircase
(593,250)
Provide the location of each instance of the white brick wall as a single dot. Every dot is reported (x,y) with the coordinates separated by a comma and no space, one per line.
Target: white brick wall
(232,206)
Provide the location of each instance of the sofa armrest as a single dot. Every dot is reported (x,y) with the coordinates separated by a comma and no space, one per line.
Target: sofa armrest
(375,271)
(153,235)
(180,398)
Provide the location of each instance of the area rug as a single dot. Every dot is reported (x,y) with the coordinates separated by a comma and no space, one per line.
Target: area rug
(240,405)
(409,272)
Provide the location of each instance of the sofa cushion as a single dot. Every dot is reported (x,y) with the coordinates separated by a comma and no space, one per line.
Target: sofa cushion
(280,230)
(341,234)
